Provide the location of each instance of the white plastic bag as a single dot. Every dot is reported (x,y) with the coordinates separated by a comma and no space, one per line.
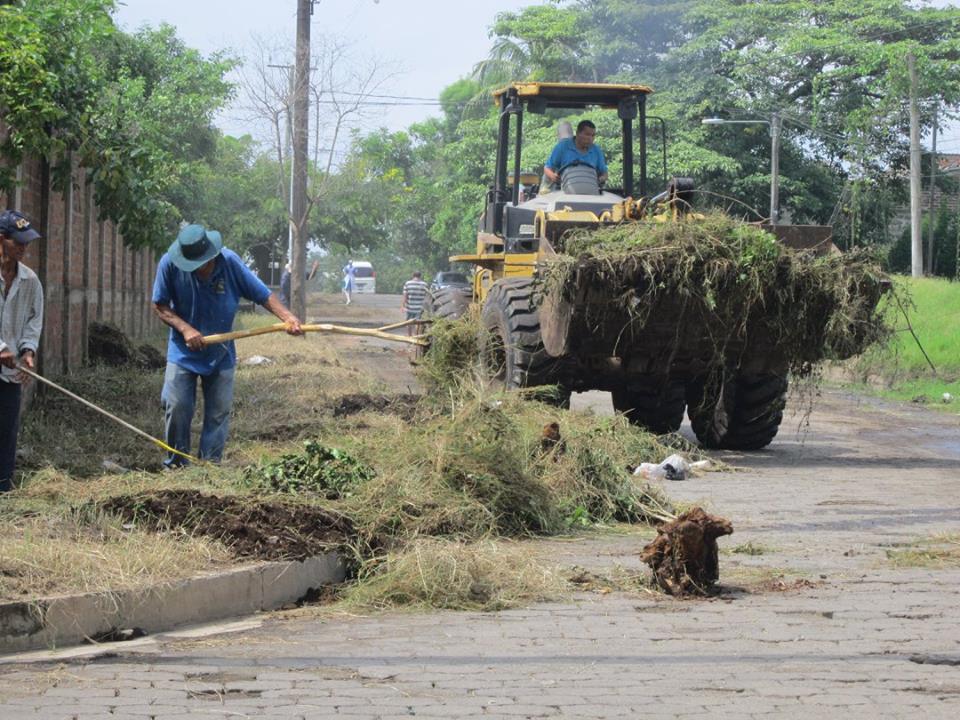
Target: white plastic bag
(674,467)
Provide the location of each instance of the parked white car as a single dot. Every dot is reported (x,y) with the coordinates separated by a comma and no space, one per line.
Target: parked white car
(364,278)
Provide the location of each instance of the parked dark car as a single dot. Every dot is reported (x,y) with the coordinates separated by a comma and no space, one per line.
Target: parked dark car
(449,279)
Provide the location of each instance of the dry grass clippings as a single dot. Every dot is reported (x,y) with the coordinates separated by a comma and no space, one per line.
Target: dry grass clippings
(88,551)
(453,574)
(938,551)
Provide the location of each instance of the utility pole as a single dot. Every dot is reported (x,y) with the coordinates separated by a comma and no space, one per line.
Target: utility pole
(301,115)
(776,123)
(932,188)
(916,236)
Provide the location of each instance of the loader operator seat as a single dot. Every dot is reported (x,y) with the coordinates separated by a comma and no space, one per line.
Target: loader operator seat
(580,179)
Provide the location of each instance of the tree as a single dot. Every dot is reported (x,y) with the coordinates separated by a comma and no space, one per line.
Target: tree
(340,89)
(133,110)
(235,192)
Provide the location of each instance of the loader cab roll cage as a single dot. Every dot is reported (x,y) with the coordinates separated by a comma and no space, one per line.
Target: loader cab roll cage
(630,102)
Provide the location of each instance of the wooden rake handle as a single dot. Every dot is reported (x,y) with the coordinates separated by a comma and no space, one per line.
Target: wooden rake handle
(321,328)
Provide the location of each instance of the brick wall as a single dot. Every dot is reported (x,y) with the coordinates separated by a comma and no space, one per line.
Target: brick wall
(87,272)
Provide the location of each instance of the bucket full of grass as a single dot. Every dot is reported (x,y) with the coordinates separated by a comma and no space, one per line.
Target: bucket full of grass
(707,292)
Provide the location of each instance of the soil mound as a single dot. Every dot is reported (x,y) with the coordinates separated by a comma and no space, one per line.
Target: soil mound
(264,530)
(109,345)
(404,405)
(684,555)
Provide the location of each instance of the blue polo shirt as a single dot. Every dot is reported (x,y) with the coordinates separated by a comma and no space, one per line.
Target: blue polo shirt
(208,305)
(565,153)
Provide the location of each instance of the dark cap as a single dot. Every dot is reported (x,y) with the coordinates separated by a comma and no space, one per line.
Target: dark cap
(14,225)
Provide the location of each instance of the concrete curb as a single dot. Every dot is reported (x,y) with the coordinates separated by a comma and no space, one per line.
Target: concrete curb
(72,619)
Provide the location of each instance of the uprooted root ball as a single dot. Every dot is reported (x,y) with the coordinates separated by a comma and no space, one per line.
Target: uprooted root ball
(684,555)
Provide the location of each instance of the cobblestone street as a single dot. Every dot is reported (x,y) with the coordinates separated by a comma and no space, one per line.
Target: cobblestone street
(817,624)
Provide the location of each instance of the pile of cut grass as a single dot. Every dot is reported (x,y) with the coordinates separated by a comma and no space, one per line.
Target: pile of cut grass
(451,574)
(453,359)
(731,278)
(464,475)
(479,468)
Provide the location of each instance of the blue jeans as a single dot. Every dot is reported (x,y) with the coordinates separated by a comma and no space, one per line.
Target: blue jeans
(9,424)
(179,400)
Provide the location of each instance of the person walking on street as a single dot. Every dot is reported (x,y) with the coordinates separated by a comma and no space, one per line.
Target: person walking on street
(198,288)
(21,320)
(348,274)
(414,298)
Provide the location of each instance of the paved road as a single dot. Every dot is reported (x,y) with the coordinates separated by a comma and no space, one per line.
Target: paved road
(843,635)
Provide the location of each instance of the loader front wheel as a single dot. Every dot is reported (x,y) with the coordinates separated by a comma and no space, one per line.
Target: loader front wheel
(738,412)
(511,349)
(656,404)
(450,302)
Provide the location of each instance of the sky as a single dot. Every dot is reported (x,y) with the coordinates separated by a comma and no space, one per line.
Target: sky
(423,44)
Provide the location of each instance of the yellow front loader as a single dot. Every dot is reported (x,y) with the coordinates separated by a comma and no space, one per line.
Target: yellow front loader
(653,372)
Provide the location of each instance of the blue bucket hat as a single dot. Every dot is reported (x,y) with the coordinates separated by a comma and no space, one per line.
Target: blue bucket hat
(194,247)
(14,225)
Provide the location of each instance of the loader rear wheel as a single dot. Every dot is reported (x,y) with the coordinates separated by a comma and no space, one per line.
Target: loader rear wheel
(656,404)
(739,412)
(511,349)
(450,302)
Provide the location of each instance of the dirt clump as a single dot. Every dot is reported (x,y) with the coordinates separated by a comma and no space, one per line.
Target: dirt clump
(250,529)
(684,555)
(403,405)
(109,345)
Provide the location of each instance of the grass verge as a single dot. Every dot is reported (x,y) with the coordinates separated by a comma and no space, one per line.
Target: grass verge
(898,369)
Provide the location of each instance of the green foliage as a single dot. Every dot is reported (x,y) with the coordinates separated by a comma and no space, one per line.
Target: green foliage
(319,470)
(835,70)
(134,110)
(946,235)
(235,191)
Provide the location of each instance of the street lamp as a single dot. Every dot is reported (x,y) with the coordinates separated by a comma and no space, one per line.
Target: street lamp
(775,123)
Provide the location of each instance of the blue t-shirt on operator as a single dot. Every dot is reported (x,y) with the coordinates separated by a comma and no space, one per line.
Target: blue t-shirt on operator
(208,305)
(565,153)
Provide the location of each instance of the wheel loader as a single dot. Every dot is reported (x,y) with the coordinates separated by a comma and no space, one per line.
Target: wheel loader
(655,372)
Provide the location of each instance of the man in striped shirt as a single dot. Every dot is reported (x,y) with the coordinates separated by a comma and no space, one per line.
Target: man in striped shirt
(414,298)
(21,319)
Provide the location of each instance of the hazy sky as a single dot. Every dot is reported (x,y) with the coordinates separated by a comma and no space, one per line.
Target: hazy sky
(426,44)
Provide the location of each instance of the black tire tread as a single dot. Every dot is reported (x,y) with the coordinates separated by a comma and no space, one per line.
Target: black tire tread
(450,302)
(511,301)
(748,417)
(656,404)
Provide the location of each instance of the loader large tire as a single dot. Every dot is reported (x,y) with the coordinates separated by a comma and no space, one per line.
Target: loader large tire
(511,349)
(738,412)
(450,302)
(656,404)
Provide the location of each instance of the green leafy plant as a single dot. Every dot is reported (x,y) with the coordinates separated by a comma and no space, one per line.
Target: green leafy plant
(320,470)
